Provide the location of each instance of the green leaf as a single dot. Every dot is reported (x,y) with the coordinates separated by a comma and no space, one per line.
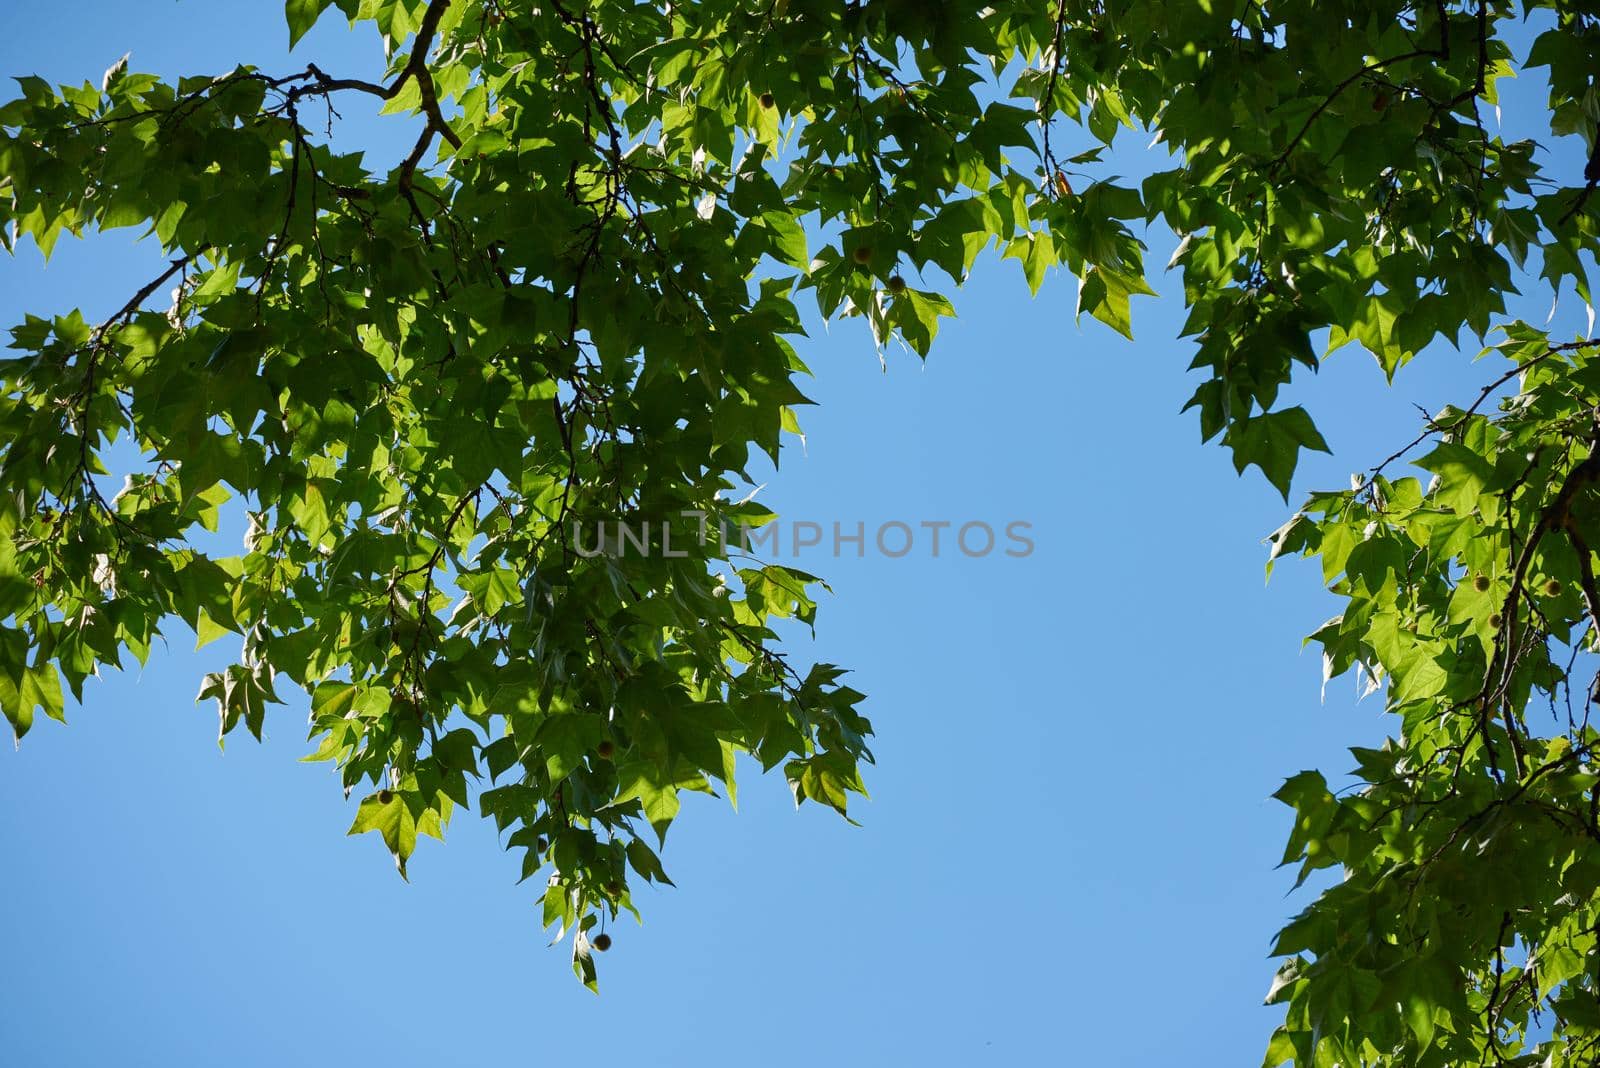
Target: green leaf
(658,799)
(399,815)
(302,15)
(1272,441)
(241,693)
(24,690)
(1104,294)
(828,778)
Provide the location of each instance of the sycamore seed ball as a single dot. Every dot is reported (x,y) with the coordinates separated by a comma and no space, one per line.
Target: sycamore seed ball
(1481,583)
(602,942)
(897,285)
(862,254)
(385,796)
(1495,621)
(766,100)
(607,749)
(1552,588)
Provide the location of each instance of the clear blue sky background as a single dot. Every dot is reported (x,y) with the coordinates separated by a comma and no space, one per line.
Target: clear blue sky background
(1069,855)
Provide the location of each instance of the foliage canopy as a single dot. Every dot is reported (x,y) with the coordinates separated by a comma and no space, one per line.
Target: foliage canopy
(572,299)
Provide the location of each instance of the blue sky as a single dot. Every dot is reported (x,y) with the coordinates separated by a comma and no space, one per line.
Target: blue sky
(1069,852)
